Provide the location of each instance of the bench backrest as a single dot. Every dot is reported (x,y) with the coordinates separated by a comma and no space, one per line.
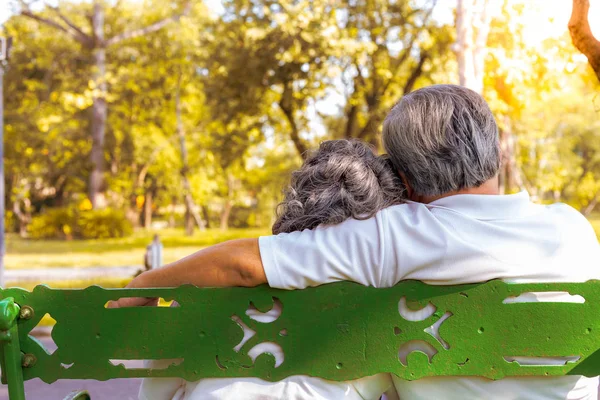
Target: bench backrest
(338,332)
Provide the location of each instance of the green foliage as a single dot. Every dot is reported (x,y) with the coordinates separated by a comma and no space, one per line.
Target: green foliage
(55,223)
(70,223)
(103,224)
(259,84)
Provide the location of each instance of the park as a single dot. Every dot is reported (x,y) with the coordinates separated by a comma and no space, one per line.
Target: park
(425,174)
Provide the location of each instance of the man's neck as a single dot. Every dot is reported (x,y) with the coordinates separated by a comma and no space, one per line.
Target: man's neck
(488,187)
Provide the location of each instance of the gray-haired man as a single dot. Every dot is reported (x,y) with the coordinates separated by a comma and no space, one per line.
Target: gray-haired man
(443,141)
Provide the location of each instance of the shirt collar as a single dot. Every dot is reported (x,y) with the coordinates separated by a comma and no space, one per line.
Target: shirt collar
(486,207)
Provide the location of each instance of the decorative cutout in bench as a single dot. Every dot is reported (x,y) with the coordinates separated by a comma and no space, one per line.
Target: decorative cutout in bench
(339,331)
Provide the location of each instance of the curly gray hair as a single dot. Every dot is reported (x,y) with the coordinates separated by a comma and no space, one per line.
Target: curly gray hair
(342,179)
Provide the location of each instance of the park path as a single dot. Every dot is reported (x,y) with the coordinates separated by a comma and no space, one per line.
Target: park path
(116,389)
(59,274)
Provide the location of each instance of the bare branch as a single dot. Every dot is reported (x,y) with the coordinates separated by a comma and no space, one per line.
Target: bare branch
(375,116)
(81,35)
(582,36)
(410,82)
(26,12)
(43,20)
(150,28)
(286,106)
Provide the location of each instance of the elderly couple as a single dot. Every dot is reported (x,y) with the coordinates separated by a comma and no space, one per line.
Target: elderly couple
(431,212)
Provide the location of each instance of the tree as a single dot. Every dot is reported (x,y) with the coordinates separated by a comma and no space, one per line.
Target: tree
(159,106)
(582,36)
(370,52)
(401,42)
(266,59)
(191,214)
(45,145)
(95,41)
(472,28)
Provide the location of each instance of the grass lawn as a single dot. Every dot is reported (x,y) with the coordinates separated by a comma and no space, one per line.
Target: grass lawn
(22,253)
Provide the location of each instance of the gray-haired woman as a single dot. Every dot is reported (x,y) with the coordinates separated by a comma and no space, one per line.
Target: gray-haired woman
(342,179)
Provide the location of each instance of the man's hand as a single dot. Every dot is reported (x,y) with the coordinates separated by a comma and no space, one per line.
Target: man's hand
(232,263)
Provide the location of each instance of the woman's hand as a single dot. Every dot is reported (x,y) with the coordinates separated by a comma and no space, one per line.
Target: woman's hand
(140,281)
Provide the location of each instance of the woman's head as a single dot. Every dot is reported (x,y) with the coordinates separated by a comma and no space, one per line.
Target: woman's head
(342,179)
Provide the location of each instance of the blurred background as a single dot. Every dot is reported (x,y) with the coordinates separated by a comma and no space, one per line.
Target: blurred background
(129,118)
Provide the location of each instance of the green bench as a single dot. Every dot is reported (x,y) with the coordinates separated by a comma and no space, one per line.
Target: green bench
(338,332)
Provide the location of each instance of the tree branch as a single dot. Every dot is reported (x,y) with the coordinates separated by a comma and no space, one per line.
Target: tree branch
(150,28)
(286,106)
(26,12)
(48,22)
(375,117)
(410,82)
(351,117)
(587,210)
(406,53)
(144,171)
(80,34)
(582,36)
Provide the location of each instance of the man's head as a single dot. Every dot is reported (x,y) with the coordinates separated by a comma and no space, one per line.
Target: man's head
(443,139)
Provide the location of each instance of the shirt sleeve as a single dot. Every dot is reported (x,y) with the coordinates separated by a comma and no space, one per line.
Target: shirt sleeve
(351,251)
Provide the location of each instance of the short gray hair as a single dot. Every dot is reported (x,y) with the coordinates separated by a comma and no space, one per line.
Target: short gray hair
(342,179)
(443,138)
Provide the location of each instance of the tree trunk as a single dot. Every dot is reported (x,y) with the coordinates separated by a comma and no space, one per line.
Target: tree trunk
(188,221)
(351,122)
(24,217)
(228,203)
(470,48)
(510,174)
(99,110)
(480,50)
(225,214)
(581,34)
(287,107)
(190,208)
(205,215)
(132,214)
(148,209)
(172,212)
(464,42)
(587,210)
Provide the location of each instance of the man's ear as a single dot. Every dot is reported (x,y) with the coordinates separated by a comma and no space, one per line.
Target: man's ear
(410,194)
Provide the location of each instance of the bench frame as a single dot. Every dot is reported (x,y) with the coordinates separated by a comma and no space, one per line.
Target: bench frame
(339,331)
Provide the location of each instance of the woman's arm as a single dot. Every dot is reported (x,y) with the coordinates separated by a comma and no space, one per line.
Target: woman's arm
(231,263)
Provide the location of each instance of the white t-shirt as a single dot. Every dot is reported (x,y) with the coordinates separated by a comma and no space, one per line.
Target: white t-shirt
(454,240)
